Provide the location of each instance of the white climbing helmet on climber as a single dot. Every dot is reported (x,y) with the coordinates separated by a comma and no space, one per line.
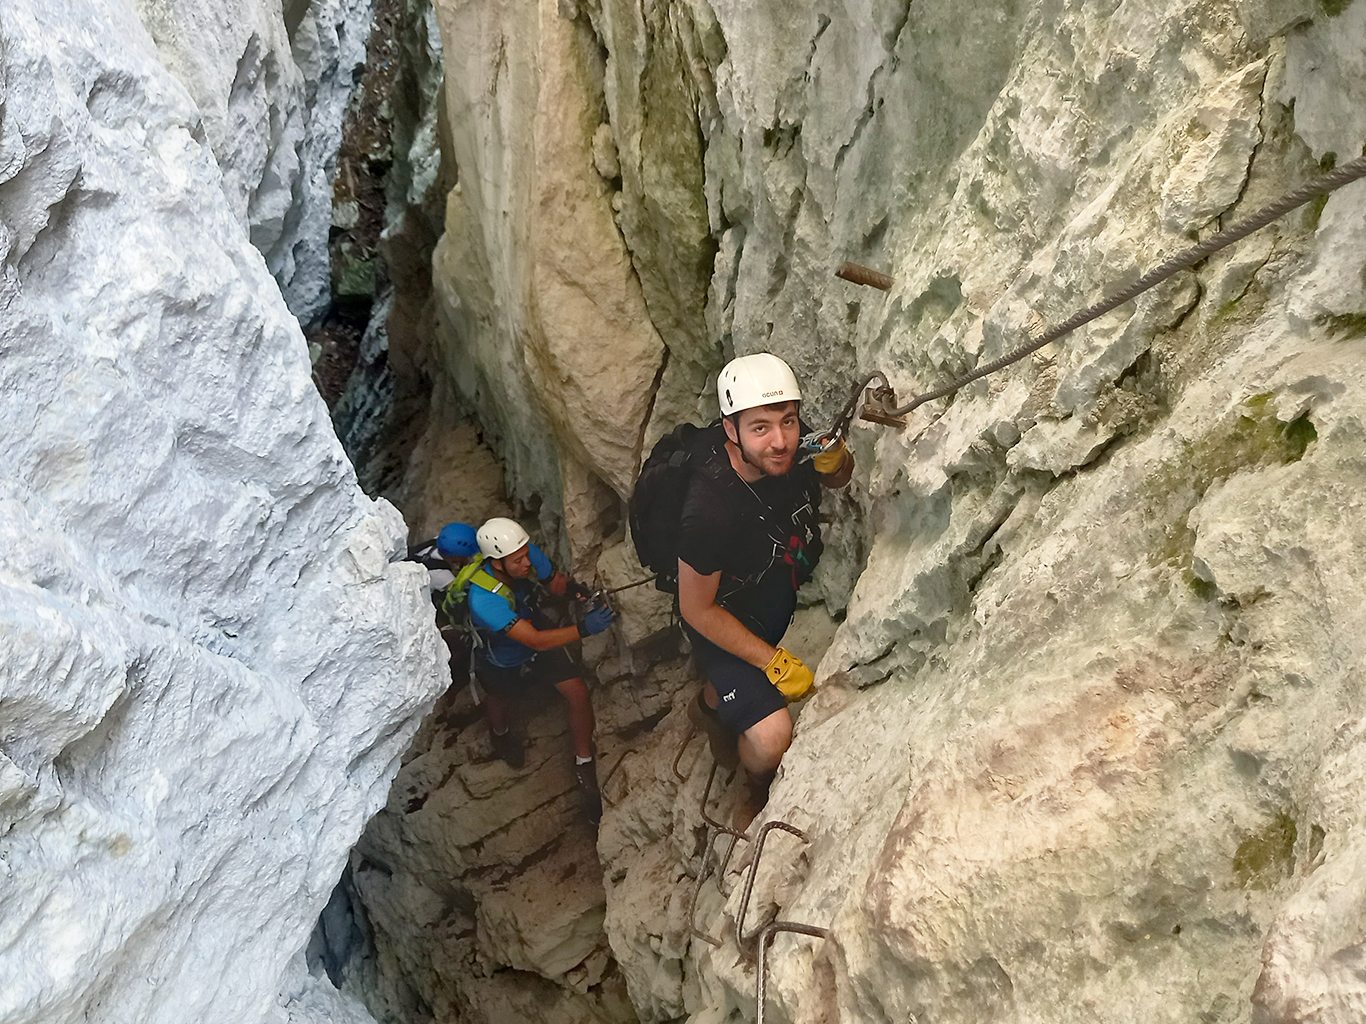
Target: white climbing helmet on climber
(500,537)
(751,381)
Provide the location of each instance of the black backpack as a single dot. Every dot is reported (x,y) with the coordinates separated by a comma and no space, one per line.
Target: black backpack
(656,506)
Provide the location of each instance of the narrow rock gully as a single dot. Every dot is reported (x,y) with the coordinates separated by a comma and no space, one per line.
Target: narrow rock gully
(481,892)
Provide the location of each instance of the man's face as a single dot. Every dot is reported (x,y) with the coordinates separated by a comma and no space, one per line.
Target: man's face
(768,436)
(518,564)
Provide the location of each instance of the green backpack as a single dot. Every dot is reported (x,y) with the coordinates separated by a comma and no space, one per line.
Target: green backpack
(455,603)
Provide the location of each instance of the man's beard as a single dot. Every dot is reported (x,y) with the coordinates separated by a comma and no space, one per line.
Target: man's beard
(762,464)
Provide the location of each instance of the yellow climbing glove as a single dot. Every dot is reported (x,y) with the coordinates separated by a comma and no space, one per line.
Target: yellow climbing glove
(789,675)
(830,460)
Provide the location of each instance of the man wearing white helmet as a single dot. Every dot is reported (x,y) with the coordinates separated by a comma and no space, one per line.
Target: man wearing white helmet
(749,537)
(514,654)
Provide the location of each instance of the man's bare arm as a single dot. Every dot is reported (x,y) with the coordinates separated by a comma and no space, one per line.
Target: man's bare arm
(541,639)
(697,604)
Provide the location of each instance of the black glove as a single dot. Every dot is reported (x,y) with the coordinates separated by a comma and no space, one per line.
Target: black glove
(595,621)
(576,589)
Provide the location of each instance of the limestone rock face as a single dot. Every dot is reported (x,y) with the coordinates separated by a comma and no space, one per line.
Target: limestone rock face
(481,886)
(272,82)
(549,337)
(211,660)
(1086,743)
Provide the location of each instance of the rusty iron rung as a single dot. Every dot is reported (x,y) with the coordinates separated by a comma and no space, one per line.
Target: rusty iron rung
(765,940)
(857,273)
(759,841)
(687,738)
(703,873)
(725,863)
(602,786)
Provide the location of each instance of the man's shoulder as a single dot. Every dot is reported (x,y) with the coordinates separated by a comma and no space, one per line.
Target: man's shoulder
(490,609)
(713,479)
(540,562)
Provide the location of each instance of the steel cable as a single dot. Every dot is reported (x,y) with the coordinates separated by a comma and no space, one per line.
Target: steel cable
(1330,182)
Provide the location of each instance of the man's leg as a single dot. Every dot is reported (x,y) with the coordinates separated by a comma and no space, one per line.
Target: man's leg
(499,715)
(575,693)
(558,668)
(496,684)
(764,743)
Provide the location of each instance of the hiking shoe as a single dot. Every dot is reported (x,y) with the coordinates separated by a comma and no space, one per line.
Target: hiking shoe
(587,776)
(722,741)
(508,748)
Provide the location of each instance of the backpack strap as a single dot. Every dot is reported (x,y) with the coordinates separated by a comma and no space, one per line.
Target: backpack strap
(485,580)
(455,603)
(716,464)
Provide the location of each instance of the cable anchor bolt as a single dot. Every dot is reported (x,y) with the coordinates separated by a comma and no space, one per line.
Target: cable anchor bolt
(879,406)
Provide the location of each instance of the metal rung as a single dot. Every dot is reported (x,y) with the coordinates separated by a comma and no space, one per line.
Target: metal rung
(703,873)
(602,786)
(725,863)
(706,796)
(765,940)
(759,841)
(692,731)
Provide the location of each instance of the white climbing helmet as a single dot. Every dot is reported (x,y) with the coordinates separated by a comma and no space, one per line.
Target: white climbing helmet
(760,379)
(500,537)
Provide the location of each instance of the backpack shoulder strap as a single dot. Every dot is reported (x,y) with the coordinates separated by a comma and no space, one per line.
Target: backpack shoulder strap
(485,580)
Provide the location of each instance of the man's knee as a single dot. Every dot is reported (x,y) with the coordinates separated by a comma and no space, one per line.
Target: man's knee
(763,744)
(573,690)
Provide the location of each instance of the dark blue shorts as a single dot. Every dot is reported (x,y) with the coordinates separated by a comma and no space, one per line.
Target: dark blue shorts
(746,695)
(547,667)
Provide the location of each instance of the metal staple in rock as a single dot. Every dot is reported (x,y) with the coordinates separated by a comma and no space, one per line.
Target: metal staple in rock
(759,841)
(766,940)
(1330,182)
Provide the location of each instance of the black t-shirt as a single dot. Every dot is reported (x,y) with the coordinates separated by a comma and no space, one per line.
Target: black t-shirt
(764,538)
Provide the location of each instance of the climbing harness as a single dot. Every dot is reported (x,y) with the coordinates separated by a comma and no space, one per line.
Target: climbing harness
(880,403)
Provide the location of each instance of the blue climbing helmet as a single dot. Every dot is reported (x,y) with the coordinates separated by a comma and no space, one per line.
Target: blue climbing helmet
(457,540)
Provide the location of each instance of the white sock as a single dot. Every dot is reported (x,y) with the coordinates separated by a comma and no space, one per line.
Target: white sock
(582,760)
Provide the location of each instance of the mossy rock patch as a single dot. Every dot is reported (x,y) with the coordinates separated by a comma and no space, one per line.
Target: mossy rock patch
(1267,856)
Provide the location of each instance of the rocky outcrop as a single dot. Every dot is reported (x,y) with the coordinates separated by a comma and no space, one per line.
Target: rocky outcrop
(373,353)
(1086,732)
(212,661)
(556,351)
(271,82)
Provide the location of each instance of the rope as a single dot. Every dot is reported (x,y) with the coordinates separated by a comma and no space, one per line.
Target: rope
(628,586)
(1331,182)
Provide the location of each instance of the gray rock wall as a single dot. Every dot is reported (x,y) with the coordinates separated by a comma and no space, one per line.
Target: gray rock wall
(1086,737)
(272,82)
(211,663)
